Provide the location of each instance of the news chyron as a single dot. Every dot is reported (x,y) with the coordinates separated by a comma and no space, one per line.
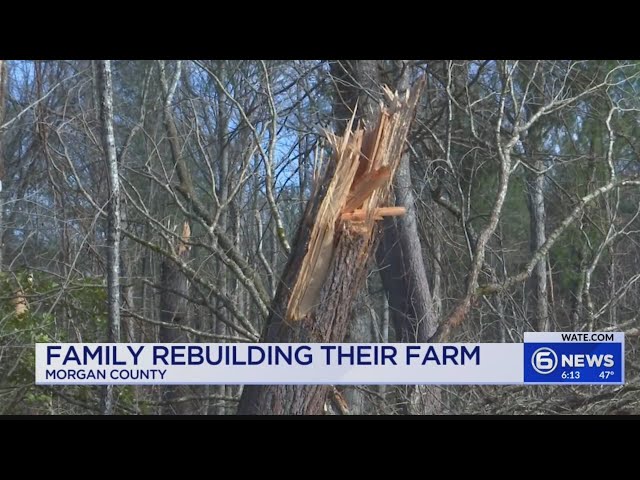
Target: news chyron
(593,358)
(587,358)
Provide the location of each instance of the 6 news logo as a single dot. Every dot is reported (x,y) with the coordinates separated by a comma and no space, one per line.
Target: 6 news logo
(544,360)
(558,363)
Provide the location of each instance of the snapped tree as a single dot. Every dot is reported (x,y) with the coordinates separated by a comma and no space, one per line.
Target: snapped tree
(334,243)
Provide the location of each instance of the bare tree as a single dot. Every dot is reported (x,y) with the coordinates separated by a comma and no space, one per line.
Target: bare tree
(4,78)
(105,87)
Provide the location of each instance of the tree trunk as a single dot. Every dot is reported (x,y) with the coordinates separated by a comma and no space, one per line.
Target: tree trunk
(330,259)
(356,83)
(173,310)
(404,276)
(127,274)
(534,145)
(401,264)
(113,214)
(327,324)
(399,254)
(537,237)
(4,80)
(537,233)
(223,197)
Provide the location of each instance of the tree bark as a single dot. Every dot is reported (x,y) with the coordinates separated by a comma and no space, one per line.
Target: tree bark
(113,214)
(327,324)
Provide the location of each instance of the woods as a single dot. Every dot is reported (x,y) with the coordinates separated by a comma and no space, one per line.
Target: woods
(315,201)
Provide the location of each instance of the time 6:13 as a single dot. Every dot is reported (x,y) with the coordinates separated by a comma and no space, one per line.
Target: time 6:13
(570,375)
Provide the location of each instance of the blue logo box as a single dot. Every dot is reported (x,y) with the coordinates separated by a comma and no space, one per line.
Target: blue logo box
(574,363)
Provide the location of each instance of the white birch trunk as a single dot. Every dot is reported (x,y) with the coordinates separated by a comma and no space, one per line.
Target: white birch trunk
(105,88)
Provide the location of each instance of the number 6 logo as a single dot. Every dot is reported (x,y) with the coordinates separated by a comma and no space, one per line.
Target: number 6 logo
(544,360)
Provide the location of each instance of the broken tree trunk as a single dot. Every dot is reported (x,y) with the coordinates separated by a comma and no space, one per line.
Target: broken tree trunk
(173,311)
(333,246)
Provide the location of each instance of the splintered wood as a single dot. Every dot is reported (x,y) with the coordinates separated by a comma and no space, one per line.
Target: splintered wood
(366,160)
(19,302)
(183,245)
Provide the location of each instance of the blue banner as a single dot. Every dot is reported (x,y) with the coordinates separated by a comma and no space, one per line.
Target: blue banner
(573,363)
